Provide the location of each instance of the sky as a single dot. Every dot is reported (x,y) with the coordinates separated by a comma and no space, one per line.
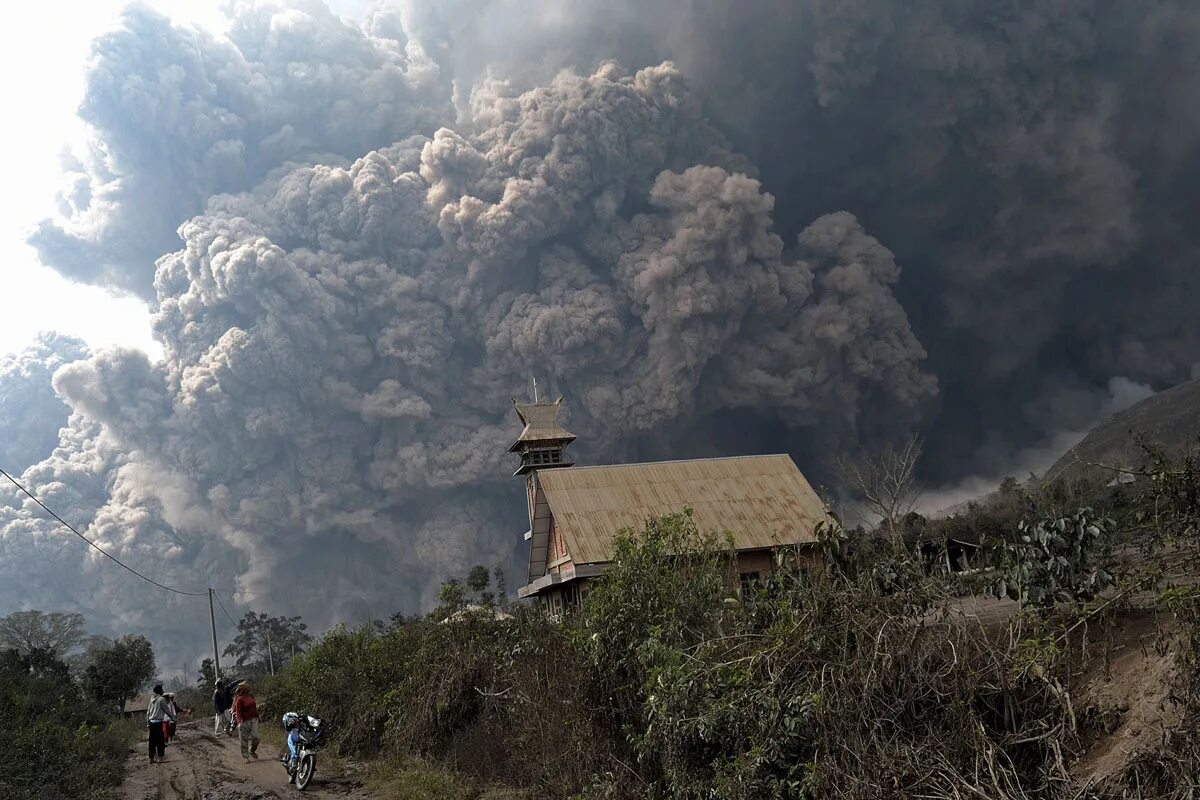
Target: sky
(41,40)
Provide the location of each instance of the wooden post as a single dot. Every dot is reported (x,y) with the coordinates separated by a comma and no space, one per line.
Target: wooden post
(270,654)
(212,619)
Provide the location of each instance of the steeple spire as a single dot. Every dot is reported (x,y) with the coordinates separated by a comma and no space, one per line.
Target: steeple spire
(543,439)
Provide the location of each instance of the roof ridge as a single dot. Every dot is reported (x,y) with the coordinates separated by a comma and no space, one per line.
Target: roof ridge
(683,461)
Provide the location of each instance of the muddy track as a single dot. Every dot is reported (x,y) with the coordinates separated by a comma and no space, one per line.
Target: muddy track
(202,766)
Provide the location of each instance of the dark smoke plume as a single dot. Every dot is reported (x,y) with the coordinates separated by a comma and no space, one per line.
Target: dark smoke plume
(1032,165)
(690,218)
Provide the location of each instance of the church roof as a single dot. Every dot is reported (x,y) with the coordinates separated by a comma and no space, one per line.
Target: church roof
(541,424)
(764,501)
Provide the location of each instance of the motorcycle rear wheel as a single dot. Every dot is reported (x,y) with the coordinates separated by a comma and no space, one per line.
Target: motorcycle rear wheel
(305,772)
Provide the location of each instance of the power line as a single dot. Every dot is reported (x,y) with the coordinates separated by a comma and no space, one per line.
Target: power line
(95,546)
(238,594)
(124,566)
(226,613)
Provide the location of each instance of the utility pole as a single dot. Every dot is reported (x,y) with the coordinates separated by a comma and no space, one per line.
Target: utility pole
(212,619)
(270,654)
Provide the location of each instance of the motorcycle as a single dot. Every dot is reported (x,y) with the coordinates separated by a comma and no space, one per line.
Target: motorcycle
(312,737)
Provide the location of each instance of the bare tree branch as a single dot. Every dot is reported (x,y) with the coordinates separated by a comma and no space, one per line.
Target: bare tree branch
(885,480)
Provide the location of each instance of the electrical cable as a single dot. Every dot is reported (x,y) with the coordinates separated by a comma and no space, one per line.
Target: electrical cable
(95,546)
(128,568)
(226,613)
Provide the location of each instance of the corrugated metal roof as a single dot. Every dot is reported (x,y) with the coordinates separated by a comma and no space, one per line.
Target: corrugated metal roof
(541,423)
(763,501)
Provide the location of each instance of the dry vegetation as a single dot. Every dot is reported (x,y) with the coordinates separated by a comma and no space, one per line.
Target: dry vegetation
(859,682)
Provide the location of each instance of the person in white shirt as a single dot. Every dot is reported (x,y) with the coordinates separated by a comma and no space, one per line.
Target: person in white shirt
(158,712)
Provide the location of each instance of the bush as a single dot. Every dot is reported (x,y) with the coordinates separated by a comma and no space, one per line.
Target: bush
(55,743)
(843,683)
(1058,558)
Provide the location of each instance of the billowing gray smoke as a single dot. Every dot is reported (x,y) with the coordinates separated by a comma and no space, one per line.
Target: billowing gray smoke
(181,116)
(387,230)
(1033,165)
(30,413)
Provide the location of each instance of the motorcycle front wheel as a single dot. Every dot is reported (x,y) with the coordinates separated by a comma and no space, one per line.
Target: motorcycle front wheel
(305,772)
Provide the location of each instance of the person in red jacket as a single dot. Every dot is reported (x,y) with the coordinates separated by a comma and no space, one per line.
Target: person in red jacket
(245,714)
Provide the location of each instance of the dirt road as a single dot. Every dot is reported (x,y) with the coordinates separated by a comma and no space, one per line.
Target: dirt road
(202,766)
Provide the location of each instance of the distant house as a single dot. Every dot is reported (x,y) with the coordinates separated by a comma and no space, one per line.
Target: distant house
(949,554)
(764,502)
(136,706)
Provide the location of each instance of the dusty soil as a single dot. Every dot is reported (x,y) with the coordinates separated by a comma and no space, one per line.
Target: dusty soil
(1125,691)
(202,766)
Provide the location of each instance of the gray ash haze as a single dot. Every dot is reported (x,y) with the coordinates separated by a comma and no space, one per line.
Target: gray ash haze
(716,227)
(30,412)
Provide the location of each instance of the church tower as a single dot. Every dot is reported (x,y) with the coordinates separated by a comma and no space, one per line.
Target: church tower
(540,445)
(543,440)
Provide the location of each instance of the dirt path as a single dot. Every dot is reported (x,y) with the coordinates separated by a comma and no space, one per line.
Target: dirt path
(202,766)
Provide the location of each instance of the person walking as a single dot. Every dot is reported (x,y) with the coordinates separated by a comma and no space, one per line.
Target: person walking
(222,703)
(245,714)
(169,723)
(157,712)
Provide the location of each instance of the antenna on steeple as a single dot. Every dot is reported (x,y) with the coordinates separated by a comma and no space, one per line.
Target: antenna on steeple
(535,399)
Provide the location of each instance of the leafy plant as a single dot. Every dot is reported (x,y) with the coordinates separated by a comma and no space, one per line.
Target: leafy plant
(119,671)
(1057,558)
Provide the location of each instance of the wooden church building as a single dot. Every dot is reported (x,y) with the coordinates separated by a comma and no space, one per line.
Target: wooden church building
(575,512)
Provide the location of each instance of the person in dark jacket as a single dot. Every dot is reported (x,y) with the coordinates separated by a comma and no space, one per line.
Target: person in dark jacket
(222,703)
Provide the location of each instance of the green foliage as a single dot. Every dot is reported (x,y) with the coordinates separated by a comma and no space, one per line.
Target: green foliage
(476,590)
(1167,513)
(486,697)
(824,684)
(412,779)
(1168,507)
(54,743)
(852,681)
(452,596)
(265,643)
(663,590)
(343,678)
(827,680)
(206,680)
(118,671)
(478,581)
(1058,558)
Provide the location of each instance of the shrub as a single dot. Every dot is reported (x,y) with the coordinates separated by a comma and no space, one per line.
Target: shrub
(843,683)
(1058,558)
(55,743)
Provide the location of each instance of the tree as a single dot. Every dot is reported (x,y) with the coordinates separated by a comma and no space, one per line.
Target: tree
(452,596)
(476,591)
(25,631)
(85,653)
(119,671)
(265,643)
(479,581)
(501,585)
(207,682)
(47,664)
(885,480)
